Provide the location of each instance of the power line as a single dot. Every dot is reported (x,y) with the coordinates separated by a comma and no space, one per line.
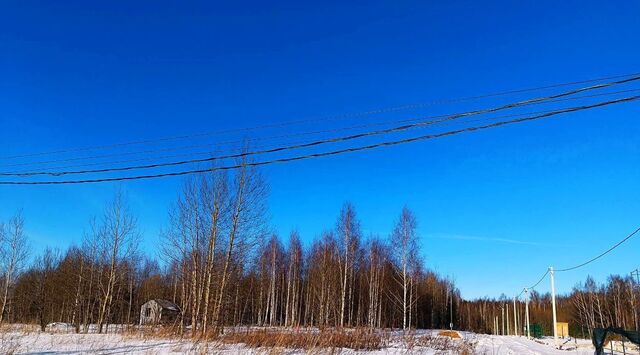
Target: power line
(147,158)
(217,144)
(534,285)
(585,263)
(601,255)
(303,144)
(333,140)
(540,280)
(289,123)
(240,149)
(335,152)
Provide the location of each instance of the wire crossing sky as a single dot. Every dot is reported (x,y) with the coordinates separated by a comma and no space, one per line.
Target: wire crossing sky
(97,87)
(387,131)
(302,157)
(612,248)
(627,78)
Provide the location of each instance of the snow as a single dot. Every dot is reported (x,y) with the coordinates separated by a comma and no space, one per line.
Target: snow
(492,344)
(29,340)
(19,342)
(58,327)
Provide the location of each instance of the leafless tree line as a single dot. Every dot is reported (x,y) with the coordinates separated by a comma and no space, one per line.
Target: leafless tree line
(223,265)
(83,287)
(588,306)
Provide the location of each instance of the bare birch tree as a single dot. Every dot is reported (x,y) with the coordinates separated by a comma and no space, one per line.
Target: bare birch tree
(294,276)
(404,244)
(13,254)
(117,238)
(247,208)
(348,229)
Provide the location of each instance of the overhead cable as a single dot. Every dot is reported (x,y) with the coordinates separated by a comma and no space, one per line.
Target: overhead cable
(245,141)
(333,140)
(602,254)
(335,152)
(294,122)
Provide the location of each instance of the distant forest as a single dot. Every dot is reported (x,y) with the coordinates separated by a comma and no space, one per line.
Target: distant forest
(219,261)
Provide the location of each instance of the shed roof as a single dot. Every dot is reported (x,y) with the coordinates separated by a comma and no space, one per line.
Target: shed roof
(165,304)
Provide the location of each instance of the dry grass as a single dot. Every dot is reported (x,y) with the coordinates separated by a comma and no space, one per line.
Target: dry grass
(442,343)
(277,340)
(358,339)
(152,332)
(450,334)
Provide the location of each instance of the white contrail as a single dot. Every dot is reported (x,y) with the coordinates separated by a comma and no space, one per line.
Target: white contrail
(485,239)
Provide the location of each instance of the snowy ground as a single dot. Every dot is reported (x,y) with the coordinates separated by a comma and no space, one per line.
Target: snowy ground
(491,344)
(28,340)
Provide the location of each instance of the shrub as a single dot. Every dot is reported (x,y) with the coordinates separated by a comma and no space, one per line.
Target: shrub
(443,343)
(358,339)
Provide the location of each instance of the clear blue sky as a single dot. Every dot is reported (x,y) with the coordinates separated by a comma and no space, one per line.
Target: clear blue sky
(495,208)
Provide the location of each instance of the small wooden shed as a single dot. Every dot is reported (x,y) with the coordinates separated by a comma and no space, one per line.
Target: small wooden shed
(158,311)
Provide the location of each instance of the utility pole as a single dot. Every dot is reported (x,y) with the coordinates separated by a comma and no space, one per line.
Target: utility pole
(515,318)
(553,306)
(526,311)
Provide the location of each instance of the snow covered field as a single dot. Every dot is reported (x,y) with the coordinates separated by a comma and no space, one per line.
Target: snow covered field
(31,341)
(491,344)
